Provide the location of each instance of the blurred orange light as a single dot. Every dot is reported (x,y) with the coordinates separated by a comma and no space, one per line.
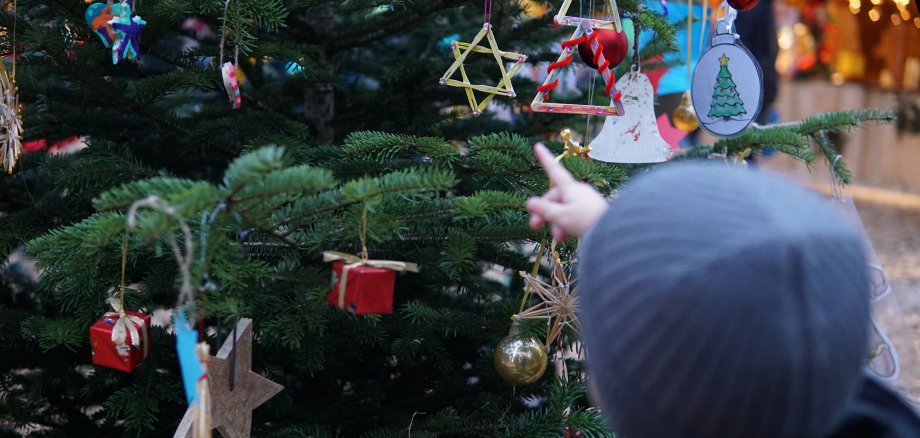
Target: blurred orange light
(875,14)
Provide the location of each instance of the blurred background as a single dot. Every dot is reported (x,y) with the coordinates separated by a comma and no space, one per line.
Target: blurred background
(848,54)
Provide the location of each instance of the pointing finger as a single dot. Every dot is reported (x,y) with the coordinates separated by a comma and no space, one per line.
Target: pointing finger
(548,211)
(556,173)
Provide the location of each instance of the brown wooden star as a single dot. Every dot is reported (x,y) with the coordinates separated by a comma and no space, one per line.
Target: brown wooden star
(231,410)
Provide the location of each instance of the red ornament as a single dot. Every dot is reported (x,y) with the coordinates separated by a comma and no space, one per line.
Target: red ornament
(571,432)
(367,290)
(743,5)
(616,46)
(120,339)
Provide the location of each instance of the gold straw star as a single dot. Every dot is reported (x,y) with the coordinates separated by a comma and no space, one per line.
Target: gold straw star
(558,302)
(462,50)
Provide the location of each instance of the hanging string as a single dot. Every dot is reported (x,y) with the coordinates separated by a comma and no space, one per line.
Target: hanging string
(690,38)
(703,22)
(729,16)
(186,294)
(591,84)
(533,273)
(15,20)
(223,36)
(636,31)
(124,264)
(836,178)
(206,221)
(363,233)
(486,12)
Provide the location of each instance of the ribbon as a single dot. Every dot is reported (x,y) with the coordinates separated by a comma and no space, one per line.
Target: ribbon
(125,325)
(353,261)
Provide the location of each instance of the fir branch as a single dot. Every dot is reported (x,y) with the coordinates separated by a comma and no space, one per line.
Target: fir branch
(391,26)
(380,146)
(834,159)
(835,121)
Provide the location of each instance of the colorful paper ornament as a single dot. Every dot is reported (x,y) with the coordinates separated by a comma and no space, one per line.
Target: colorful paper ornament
(462,50)
(633,138)
(675,79)
(584,32)
(235,389)
(10,119)
(615,44)
(120,339)
(671,135)
(127,28)
(98,16)
(727,87)
(231,84)
(362,286)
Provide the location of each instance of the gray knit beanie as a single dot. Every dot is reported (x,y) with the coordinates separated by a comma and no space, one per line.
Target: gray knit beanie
(723,303)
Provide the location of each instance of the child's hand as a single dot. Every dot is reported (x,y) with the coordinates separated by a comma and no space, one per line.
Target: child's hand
(570,206)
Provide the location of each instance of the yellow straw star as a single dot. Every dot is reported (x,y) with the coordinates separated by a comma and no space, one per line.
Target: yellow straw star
(462,50)
(558,302)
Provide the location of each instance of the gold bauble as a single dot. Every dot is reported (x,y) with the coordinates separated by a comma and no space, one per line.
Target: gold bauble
(684,115)
(520,359)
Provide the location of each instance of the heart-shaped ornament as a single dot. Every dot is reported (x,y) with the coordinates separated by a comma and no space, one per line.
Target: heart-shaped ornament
(98,16)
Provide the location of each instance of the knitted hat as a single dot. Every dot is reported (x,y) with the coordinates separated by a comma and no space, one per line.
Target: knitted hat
(723,303)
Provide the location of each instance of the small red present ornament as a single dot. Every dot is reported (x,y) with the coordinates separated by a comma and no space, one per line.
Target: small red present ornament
(363,286)
(120,339)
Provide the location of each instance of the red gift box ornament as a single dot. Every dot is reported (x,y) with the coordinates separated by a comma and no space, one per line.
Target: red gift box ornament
(364,286)
(120,339)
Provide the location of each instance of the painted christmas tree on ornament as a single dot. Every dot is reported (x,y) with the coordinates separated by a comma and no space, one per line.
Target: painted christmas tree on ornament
(727,86)
(726,102)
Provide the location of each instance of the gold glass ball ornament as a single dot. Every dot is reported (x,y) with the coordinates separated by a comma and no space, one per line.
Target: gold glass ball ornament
(684,115)
(520,359)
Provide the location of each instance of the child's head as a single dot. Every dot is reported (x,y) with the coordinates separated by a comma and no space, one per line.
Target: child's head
(721,302)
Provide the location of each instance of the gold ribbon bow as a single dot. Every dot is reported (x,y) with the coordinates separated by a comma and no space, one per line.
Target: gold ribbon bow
(352,261)
(125,324)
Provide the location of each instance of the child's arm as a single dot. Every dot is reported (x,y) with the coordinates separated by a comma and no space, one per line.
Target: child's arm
(570,206)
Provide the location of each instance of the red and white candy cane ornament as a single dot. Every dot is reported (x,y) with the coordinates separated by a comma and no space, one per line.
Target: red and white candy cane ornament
(583,33)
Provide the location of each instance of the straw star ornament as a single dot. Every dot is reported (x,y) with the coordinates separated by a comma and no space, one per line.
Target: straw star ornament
(558,302)
(462,51)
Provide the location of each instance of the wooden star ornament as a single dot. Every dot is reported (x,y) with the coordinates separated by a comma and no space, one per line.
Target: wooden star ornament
(462,50)
(232,401)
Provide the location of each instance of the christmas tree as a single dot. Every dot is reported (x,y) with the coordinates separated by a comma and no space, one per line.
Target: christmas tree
(725,99)
(344,133)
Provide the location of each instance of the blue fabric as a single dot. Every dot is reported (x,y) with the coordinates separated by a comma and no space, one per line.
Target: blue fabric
(186,341)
